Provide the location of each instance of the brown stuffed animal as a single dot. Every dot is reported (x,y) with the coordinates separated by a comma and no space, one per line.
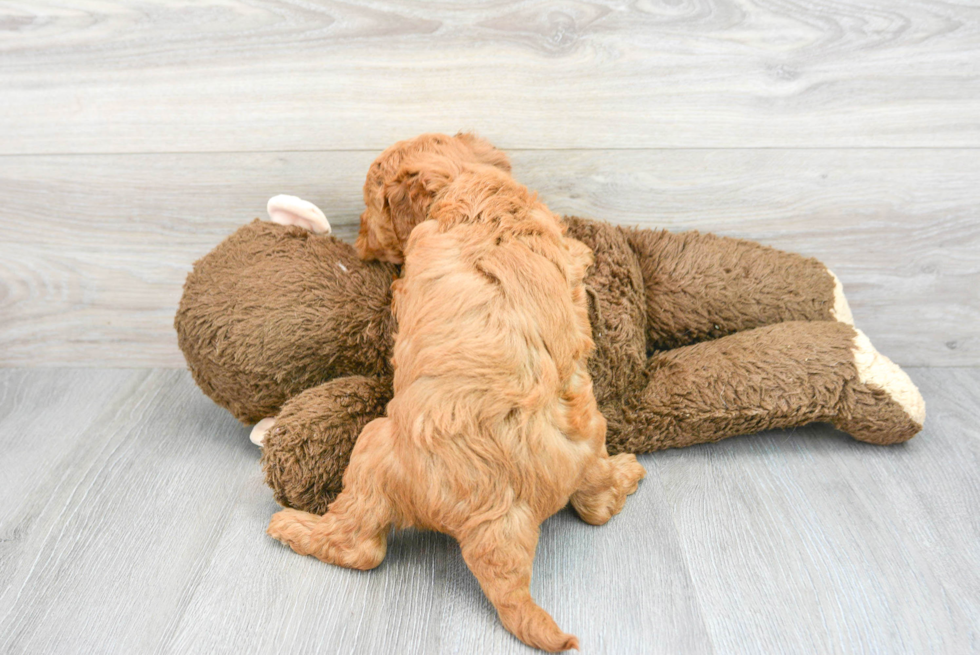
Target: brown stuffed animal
(698,338)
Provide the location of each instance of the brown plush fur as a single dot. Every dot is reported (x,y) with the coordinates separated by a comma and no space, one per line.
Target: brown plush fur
(304,460)
(700,286)
(493,426)
(267,286)
(273,311)
(314,435)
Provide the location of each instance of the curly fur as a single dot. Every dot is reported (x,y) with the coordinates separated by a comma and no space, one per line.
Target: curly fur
(401,183)
(493,426)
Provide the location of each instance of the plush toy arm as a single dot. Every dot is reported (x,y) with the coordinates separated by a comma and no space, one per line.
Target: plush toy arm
(779,376)
(308,447)
(702,286)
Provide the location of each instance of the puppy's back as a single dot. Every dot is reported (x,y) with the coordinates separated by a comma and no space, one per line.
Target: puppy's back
(491,290)
(492,339)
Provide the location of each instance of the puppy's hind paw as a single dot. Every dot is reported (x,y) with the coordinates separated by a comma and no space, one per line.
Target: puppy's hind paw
(604,499)
(627,473)
(293,528)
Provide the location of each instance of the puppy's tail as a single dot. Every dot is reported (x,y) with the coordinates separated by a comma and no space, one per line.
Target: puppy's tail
(500,554)
(535,627)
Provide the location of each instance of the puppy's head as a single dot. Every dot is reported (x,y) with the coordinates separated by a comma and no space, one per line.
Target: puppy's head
(402,183)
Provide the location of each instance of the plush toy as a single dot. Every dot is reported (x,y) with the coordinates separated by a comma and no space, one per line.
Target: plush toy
(698,338)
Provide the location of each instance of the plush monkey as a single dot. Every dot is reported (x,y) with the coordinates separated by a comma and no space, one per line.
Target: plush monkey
(698,338)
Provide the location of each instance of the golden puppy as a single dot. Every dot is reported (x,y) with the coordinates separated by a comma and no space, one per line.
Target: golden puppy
(493,426)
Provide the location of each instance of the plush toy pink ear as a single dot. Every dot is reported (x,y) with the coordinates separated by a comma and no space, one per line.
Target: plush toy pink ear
(290,210)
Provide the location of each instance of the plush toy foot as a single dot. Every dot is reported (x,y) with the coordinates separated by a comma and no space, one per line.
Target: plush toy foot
(260,429)
(306,452)
(883,406)
(290,210)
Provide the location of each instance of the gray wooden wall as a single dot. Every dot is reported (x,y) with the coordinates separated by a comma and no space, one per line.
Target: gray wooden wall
(134,136)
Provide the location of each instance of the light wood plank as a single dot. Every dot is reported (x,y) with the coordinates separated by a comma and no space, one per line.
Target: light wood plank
(259,596)
(114,76)
(94,249)
(117,527)
(810,542)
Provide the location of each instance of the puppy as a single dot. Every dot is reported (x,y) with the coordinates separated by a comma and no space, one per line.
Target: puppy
(493,426)
(401,184)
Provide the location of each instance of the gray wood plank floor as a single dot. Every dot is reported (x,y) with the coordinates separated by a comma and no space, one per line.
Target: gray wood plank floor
(132,517)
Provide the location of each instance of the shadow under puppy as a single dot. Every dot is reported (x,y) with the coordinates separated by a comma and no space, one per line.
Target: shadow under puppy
(493,426)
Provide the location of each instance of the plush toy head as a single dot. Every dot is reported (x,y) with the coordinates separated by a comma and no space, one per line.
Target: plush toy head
(273,311)
(403,181)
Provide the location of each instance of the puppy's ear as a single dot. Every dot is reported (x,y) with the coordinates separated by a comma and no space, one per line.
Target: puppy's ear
(408,196)
(483,151)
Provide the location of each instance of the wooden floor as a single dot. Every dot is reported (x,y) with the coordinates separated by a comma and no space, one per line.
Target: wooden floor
(132,518)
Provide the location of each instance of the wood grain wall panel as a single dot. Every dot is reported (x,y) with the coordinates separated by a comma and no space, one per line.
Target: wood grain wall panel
(94,248)
(230,75)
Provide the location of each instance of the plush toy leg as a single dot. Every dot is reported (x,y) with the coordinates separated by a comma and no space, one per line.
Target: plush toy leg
(309,445)
(778,376)
(702,286)
(354,532)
